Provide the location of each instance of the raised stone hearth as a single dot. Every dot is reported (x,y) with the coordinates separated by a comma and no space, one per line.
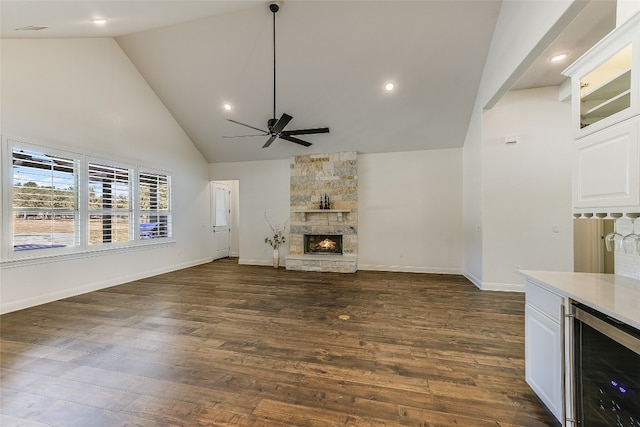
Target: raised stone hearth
(333,263)
(312,178)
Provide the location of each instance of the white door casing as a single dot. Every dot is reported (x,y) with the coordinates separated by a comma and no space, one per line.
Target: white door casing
(220,212)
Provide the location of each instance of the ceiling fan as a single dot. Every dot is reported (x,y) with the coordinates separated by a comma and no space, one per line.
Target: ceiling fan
(276,126)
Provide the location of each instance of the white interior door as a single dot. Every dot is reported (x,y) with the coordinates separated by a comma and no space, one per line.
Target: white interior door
(220,210)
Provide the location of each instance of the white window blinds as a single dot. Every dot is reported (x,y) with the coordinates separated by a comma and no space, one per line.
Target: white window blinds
(45,202)
(155,205)
(110,207)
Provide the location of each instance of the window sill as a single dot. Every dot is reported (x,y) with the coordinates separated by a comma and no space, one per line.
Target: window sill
(27,260)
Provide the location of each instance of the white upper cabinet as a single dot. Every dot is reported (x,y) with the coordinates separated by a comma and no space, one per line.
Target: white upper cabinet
(606,91)
(605,170)
(605,94)
(605,81)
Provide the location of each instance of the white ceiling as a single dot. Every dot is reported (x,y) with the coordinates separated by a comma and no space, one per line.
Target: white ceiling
(333,58)
(72,18)
(592,24)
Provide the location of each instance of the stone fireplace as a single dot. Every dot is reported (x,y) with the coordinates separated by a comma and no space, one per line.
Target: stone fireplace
(324,236)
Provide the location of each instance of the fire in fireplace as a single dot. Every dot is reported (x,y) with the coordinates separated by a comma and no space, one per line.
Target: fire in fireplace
(322,244)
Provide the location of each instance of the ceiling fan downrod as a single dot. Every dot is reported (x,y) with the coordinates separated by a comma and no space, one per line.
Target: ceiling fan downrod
(277,126)
(274,7)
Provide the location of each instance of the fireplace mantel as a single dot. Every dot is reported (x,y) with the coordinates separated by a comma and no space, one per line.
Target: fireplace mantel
(339,212)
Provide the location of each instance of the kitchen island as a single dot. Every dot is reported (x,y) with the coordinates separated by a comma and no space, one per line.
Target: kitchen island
(614,295)
(549,329)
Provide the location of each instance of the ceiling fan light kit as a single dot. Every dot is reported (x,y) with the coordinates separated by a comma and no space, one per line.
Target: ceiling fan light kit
(276,126)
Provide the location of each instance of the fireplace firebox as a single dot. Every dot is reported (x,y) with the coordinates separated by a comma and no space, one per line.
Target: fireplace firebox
(322,244)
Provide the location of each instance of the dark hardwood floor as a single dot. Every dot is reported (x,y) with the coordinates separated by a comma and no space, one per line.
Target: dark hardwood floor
(228,345)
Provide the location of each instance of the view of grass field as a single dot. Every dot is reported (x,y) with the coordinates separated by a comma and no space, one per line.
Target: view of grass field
(61,230)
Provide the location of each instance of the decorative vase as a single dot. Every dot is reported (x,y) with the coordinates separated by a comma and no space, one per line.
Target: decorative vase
(276,258)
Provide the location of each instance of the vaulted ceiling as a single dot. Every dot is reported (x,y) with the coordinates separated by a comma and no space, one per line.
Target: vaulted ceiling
(333,59)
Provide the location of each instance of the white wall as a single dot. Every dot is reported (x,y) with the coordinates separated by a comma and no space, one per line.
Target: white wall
(472,200)
(526,187)
(235,218)
(524,29)
(410,211)
(412,200)
(84,95)
(263,186)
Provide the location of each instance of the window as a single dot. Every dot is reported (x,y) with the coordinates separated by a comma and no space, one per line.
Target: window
(221,207)
(64,202)
(110,206)
(155,214)
(45,202)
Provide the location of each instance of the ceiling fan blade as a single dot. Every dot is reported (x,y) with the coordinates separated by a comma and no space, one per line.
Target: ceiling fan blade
(269,141)
(305,131)
(242,124)
(296,140)
(243,136)
(281,123)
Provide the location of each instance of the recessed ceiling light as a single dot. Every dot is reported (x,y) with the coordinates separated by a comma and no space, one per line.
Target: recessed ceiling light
(227,107)
(99,21)
(561,56)
(389,86)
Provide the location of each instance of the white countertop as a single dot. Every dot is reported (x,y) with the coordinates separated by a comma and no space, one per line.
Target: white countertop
(614,295)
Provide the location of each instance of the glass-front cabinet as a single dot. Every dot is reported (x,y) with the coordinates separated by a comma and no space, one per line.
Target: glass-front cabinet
(606,90)
(605,94)
(605,80)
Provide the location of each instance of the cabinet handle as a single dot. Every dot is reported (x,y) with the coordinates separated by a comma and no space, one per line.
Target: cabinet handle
(569,392)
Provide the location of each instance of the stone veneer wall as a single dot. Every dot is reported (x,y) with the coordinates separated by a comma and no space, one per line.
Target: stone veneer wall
(312,176)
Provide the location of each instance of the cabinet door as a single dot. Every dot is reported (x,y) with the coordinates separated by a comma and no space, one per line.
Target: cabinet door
(606,93)
(543,359)
(606,167)
(606,79)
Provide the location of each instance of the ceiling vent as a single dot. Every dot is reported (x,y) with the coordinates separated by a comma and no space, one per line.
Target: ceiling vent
(31,28)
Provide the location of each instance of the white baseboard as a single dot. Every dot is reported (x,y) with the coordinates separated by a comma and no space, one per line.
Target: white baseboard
(503,287)
(371,267)
(473,279)
(55,296)
(486,286)
(246,261)
(409,269)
